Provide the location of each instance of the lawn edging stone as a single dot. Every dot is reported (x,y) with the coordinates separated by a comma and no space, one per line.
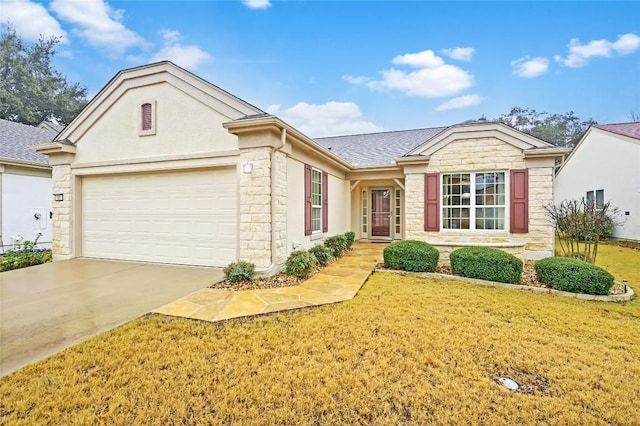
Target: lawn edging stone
(608,298)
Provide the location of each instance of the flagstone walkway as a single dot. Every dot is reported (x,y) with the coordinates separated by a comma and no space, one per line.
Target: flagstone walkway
(337,282)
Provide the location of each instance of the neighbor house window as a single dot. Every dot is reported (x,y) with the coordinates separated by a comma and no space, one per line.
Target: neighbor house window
(596,197)
(316,197)
(474,201)
(147,119)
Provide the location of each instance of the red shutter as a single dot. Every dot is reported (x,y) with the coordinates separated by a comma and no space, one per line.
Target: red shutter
(519,202)
(325,202)
(307,199)
(432,202)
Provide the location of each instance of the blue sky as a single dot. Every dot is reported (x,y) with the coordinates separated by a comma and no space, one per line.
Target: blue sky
(334,67)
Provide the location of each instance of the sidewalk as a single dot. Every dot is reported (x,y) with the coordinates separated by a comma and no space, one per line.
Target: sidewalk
(337,282)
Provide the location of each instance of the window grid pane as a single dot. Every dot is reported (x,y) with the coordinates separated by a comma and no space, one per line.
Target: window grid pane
(316,200)
(479,206)
(364,212)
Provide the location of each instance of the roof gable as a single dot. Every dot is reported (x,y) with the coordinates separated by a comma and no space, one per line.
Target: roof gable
(17,138)
(500,131)
(160,72)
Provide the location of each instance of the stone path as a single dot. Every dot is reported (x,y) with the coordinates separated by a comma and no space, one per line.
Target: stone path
(337,282)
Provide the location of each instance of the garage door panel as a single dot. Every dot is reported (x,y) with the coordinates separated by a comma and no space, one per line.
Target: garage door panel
(185,217)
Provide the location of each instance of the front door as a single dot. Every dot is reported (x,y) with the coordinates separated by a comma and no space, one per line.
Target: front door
(381,213)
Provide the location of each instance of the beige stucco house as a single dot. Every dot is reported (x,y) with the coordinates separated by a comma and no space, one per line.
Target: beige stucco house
(162,166)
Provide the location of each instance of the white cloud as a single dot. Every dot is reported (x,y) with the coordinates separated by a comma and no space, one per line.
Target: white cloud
(273,109)
(460,53)
(328,119)
(185,56)
(580,54)
(98,24)
(30,20)
(256,4)
(460,102)
(433,78)
(530,67)
(355,80)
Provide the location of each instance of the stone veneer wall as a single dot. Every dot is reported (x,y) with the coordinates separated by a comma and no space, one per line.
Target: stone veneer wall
(484,155)
(255,207)
(62,224)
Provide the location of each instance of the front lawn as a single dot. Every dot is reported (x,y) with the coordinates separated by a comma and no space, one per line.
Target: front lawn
(404,351)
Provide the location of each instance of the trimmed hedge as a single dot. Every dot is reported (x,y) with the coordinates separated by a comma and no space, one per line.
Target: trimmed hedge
(240,271)
(486,263)
(411,255)
(351,237)
(299,263)
(574,275)
(321,253)
(337,244)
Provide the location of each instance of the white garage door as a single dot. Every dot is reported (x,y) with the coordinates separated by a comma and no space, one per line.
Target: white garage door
(186,217)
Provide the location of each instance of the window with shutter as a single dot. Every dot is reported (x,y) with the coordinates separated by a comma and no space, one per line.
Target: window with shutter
(519,202)
(432,202)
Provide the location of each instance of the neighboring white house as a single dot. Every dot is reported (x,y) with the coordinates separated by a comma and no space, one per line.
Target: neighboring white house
(25,184)
(605,167)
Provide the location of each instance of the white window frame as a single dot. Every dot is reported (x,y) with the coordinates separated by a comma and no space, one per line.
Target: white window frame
(152,130)
(593,197)
(472,206)
(316,207)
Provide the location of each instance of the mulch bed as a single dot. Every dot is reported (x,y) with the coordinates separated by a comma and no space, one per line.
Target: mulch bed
(528,278)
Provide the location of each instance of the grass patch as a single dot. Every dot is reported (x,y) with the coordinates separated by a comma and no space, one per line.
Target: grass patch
(404,351)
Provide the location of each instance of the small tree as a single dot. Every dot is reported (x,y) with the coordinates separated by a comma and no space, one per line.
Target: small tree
(580,226)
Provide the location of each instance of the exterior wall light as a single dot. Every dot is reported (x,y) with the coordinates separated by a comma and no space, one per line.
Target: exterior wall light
(247,168)
(58,197)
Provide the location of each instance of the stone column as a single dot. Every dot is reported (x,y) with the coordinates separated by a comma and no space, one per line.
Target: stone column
(62,242)
(255,207)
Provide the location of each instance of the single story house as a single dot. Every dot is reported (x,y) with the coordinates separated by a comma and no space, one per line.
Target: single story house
(162,166)
(605,167)
(25,184)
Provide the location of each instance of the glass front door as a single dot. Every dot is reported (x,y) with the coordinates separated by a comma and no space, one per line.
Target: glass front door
(381,213)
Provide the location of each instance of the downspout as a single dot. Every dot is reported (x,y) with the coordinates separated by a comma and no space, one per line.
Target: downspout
(269,269)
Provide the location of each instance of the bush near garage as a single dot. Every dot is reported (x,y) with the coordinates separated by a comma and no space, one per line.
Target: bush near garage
(322,254)
(27,254)
(299,263)
(486,263)
(574,275)
(240,271)
(411,255)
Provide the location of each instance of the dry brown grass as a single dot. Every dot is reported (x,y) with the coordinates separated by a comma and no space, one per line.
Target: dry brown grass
(404,351)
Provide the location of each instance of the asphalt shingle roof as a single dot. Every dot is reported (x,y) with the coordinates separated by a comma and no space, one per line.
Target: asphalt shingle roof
(631,130)
(377,148)
(16,138)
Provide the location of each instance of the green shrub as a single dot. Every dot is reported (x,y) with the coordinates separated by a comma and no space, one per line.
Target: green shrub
(299,263)
(486,263)
(321,253)
(411,255)
(351,237)
(27,254)
(240,271)
(574,275)
(337,244)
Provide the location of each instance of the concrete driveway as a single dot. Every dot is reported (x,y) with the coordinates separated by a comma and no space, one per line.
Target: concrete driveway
(50,307)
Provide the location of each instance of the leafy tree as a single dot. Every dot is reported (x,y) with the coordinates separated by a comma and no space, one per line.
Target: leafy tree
(558,129)
(31,90)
